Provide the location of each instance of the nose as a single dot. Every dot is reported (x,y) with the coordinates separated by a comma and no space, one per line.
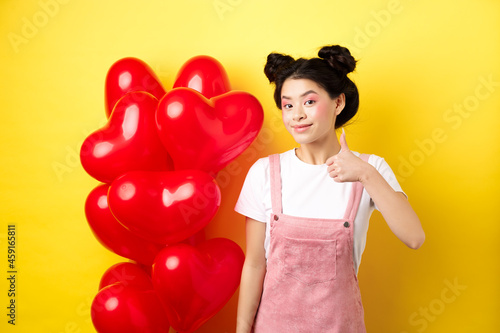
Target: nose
(298,113)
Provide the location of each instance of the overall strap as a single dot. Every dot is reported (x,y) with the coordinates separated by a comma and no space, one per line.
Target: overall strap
(356,192)
(275,179)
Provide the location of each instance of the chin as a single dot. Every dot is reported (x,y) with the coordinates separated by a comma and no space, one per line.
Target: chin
(303,141)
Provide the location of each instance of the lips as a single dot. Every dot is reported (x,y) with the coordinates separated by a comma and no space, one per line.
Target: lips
(301,128)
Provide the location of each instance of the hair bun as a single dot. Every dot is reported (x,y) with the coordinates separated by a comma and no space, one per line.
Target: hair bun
(339,58)
(275,63)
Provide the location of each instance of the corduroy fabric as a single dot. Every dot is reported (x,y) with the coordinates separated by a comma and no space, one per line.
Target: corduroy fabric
(310,284)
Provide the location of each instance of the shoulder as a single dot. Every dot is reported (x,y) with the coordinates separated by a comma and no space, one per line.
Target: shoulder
(375,160)
(258,171)
(380,164)
(385,170)
(262,164)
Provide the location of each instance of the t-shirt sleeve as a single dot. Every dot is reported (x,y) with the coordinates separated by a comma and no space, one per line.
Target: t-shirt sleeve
(385,170)
(251,200)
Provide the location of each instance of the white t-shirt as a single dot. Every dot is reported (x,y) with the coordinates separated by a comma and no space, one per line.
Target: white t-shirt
(308,191)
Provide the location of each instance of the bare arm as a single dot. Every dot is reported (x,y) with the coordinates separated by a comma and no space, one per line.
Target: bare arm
(394,206)
(252,276)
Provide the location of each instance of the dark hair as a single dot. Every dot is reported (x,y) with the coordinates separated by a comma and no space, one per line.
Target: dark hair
(329,71)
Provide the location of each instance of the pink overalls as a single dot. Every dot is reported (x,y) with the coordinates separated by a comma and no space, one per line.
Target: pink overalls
(310,284)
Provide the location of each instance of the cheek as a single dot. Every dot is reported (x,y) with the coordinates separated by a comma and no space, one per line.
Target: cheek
(285,116)
(321,111)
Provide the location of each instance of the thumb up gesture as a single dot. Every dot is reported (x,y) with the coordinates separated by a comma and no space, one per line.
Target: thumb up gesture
(345,166)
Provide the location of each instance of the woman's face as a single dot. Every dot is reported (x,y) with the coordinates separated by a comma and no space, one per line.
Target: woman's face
(308,111)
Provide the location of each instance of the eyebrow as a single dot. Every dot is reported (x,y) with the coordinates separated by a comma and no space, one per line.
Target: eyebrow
(304,94)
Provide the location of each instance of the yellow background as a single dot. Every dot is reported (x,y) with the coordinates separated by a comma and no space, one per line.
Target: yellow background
(419,61)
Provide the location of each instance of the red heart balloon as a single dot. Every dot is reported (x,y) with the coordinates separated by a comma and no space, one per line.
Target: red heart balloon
(205,75)
(128,274)
(164,207)
(194,283)
(207,134)
(119,308)
(126,75)
(128,141)
(114,236)
(196,239)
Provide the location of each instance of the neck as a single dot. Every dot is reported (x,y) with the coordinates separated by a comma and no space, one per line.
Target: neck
(314,153)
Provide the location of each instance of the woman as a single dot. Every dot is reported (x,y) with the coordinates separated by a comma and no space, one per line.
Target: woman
(307,210)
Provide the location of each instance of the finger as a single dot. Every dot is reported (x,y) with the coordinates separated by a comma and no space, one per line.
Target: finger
(334,175)
(343,142)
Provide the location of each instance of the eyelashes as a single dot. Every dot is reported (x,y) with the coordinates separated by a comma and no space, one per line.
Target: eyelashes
(309,102)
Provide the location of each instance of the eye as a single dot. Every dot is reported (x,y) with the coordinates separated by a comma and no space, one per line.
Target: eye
(310,102)
(287,106)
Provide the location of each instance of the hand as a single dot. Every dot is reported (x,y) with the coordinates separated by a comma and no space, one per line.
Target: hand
(345,166)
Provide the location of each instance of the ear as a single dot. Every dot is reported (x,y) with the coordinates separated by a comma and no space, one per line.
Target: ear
(339,104)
